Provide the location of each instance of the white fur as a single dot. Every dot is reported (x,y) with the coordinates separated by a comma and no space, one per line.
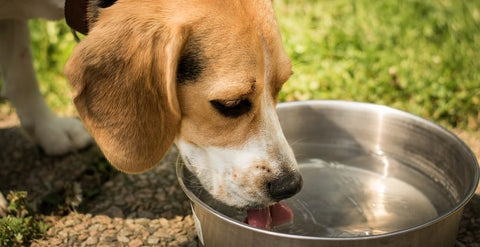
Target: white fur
(231,175)
(215,166)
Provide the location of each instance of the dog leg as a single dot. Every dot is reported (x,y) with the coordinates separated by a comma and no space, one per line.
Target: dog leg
(55,135)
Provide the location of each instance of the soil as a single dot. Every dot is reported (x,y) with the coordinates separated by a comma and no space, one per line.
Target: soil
(87,203)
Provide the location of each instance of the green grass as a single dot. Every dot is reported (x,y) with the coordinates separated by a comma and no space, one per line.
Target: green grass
(52,44)
(421,56)
(20,226)
(415,55)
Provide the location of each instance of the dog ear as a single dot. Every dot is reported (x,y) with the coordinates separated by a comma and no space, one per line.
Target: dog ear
(124,81)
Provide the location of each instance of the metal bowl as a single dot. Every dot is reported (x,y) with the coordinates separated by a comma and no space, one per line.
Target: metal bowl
(373,176)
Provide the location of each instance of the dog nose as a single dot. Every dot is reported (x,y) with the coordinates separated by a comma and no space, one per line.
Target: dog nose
(286,186)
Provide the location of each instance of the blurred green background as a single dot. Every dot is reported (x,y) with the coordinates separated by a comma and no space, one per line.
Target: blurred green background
(420,56)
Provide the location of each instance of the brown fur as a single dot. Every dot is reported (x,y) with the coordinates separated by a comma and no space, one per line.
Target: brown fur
(124,75)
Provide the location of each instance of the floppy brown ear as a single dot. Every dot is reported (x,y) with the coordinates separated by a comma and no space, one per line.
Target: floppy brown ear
(124,78)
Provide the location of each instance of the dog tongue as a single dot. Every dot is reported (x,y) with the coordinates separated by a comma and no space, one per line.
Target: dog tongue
(271,216)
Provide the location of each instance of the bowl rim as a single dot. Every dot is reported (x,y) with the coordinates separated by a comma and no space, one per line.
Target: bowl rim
(368,106)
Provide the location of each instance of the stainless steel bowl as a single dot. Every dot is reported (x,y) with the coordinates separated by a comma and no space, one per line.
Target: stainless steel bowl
(373,176)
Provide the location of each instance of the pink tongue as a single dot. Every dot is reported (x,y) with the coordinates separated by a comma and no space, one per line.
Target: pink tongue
(268,217)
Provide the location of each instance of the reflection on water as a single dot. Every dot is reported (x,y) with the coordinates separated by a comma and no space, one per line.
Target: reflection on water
(339,200)
(345,200)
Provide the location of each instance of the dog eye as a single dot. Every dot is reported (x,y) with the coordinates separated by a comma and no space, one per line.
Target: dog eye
(232,108)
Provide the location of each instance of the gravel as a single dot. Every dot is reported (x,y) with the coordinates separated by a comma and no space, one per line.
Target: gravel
(100,230)
(148,209)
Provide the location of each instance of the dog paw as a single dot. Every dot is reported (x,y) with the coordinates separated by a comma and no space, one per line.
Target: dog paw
(61,135)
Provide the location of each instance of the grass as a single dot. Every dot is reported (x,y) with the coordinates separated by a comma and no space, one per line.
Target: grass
(53,43)
(415,55)
(20,226)
(420,56)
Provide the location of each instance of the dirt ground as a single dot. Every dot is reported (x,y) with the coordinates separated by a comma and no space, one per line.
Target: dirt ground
(124,210)
(115,209)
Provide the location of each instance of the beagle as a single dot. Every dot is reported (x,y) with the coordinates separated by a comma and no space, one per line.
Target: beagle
(203,74)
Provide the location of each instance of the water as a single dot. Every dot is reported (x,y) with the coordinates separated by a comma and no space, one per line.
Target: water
(342,201)
(364,194)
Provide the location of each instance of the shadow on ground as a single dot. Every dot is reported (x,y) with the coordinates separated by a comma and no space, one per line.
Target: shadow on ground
(85,181)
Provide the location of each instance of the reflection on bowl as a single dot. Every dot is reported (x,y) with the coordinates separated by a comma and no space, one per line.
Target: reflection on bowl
(373,176)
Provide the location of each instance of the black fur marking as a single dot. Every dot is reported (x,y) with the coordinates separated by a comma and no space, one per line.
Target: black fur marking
(105,3)
(191,63)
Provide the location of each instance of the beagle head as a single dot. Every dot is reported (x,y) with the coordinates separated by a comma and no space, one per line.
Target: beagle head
(202,74)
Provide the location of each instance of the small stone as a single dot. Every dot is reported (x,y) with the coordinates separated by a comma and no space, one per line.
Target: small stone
(153,240)
(162,233)
(107,245)
(182,239)
(69,222)
(91,240)
(109,184)
(136,228)
(135,243)
(108,238)
(110,232)
(118,222)
(174,230)
(94,233)
(71,241)
(82,237)
(145,214)
(63,234)
(55,242)
(124,232)
(97,227)
(188,220)
(114,212)
(142,221)
(102,219)
(79,227)
(164,222)
(123,239)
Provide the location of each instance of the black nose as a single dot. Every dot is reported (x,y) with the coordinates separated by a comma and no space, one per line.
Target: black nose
(286,186)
